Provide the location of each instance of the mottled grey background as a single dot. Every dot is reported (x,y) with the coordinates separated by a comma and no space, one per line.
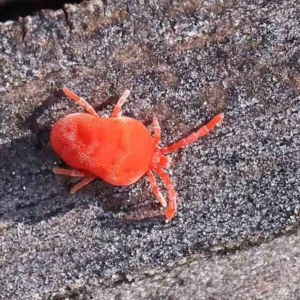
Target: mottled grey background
(184,62)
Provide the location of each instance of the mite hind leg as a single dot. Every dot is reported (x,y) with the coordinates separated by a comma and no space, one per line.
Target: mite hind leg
(80,101)
(76,173)
(70,172)
(120,103)
(83,183)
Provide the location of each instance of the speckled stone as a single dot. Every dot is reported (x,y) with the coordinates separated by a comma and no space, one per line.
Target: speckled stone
(184,62)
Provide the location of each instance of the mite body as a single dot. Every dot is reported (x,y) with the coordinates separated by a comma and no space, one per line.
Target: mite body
(119,150)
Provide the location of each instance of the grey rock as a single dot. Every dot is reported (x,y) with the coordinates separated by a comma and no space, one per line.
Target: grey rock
(184,62)
(270,271)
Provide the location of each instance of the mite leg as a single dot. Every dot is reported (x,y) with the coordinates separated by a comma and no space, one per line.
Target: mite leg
(172,206)
(194,136)
(157,131)
(70,172)
(120,103)
(80,101)
(82,183)
(155,189)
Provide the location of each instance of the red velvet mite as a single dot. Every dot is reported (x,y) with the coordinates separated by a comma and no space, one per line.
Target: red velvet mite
(119,150)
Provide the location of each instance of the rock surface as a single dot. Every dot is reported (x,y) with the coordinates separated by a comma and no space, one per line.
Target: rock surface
(184,62)
(270,271)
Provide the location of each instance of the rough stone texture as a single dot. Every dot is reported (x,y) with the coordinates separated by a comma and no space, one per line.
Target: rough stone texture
(241,276)
(184,62)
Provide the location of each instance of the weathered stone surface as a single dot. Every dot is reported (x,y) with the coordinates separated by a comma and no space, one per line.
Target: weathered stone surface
(270,271)
(184,62)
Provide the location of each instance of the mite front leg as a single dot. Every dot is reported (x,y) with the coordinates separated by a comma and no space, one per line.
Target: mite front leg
(194,136)
(120,103)
(172,206)
(157,131)
(155,189)
(80,101)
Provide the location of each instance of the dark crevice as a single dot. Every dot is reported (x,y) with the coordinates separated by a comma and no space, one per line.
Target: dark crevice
(14,9)
(23,26)
(67,19)
(104,2)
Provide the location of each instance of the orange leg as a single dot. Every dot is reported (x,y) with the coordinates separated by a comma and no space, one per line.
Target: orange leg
(120,103)
(80,101)
(172,206)
(155,189)
(157,131)
(194,136)
(70,172)
(76,173)
(82,183)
